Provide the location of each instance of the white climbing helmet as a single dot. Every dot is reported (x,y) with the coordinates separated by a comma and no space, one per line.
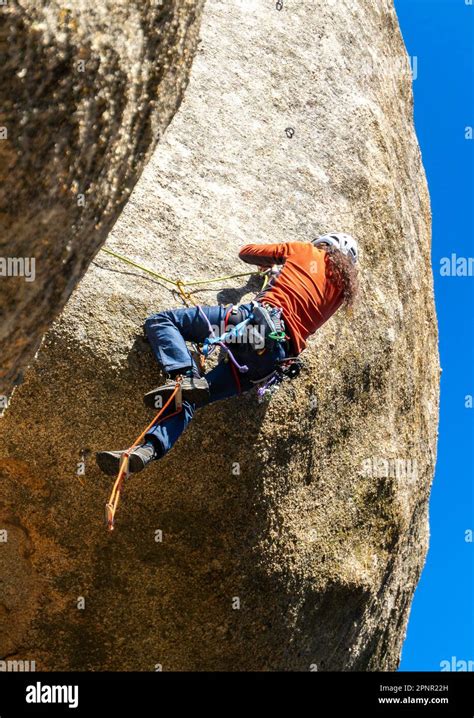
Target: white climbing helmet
(344,242)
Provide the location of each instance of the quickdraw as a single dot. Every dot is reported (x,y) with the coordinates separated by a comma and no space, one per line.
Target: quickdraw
(289,368)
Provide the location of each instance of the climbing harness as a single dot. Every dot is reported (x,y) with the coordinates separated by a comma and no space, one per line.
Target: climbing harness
(263,315)
(213,341)
(269,319)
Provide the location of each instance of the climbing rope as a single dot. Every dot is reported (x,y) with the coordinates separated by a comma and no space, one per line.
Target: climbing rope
(112,503)
(179,283)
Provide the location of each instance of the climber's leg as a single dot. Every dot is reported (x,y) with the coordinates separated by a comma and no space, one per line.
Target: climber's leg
(163,436)
(168,332)
(222,385)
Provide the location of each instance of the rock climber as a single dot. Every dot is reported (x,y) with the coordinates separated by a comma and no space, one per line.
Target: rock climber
(315,279)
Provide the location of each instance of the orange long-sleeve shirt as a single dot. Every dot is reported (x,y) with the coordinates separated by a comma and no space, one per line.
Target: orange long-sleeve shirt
(303,289)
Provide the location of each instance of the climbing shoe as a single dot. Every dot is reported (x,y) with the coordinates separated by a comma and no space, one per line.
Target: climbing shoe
(109,461)
(193,388)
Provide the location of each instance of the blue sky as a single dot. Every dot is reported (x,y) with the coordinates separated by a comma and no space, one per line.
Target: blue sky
(440,34)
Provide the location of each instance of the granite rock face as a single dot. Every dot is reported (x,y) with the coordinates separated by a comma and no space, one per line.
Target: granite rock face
(282,535)
(86,91)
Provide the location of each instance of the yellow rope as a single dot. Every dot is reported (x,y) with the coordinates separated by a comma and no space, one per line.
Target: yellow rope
(175,282)
(180,284)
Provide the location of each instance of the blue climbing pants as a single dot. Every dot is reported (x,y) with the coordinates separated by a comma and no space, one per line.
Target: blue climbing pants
(168,332)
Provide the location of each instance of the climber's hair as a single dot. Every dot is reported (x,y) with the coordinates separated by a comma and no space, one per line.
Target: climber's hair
(343,272)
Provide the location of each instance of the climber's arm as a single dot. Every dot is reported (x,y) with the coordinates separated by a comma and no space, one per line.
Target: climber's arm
(264,255)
